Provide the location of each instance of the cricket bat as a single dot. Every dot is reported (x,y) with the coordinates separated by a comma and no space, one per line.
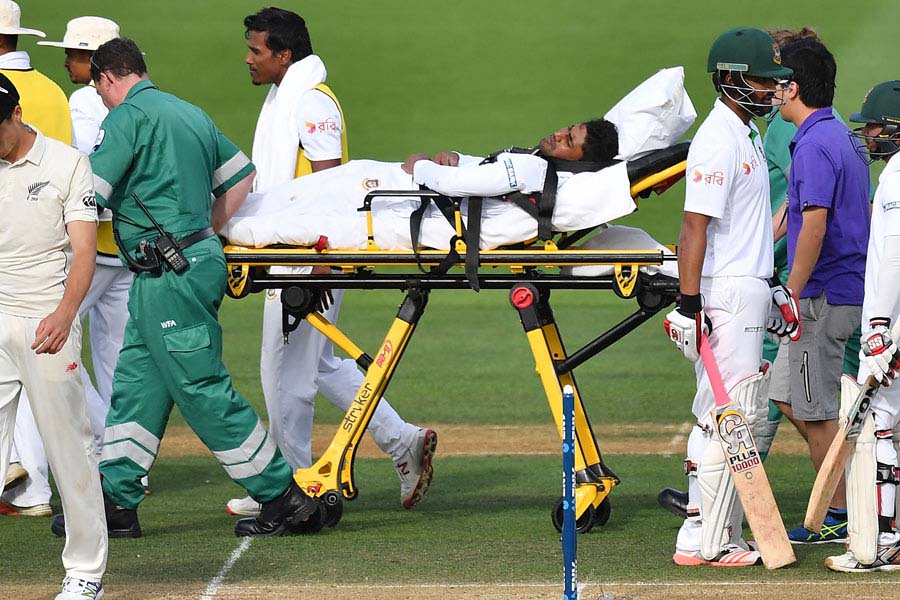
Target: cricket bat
(747,470)
(832,468)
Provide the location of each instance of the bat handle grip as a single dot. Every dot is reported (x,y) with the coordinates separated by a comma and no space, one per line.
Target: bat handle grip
(712,372)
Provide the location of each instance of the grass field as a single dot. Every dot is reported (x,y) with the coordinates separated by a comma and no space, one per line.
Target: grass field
(477,76)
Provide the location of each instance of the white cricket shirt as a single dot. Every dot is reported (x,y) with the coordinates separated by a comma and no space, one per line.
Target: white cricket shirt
(885,222)
(50,186)
(727,179)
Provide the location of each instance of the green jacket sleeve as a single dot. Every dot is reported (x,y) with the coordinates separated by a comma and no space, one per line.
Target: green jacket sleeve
(232,165)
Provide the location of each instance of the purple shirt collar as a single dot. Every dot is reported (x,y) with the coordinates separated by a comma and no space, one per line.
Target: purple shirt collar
(822,114)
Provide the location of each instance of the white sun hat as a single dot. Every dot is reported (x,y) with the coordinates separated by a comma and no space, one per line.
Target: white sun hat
(86,33)
(10,17)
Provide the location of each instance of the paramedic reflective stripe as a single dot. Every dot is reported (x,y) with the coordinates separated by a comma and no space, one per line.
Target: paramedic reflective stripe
(130,440)
(102,187)
(251,457)
(228,170)
(131,431)
(131,451)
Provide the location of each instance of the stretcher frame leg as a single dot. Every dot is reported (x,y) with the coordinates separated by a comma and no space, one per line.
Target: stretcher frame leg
(333,471)
(593,481)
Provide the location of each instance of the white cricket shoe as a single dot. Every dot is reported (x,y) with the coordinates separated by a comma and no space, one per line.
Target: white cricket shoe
(414,468)
(80,589)
(243,507)
(732,555)
(887,558)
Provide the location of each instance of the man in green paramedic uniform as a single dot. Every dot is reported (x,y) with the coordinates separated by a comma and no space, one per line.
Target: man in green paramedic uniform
(170,155)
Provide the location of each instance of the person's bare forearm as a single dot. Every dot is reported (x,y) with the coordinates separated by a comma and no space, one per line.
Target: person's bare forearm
(53,330)
(83,238)
(228,203)
(691,251)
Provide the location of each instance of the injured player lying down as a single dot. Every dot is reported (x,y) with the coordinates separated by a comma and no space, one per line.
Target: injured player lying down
(590,190)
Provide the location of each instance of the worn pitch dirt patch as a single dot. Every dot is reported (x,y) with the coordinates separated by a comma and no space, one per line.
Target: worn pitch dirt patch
(857,588)
(471,440)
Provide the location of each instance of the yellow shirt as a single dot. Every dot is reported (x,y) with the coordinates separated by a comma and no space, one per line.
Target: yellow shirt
(43,103)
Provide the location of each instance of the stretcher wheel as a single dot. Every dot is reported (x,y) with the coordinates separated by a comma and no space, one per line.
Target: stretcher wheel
(333,507)
(583,524)
(313,524)
(601,514)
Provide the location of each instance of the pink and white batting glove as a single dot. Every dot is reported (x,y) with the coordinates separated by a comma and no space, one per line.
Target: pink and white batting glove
(879,351)
(784,316)
(686,325)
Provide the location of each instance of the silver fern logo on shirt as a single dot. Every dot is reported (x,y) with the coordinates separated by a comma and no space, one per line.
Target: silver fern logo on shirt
(35,189)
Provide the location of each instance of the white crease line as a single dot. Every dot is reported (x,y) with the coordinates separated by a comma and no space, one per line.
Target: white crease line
(581,585)
(213,588)
(677,442)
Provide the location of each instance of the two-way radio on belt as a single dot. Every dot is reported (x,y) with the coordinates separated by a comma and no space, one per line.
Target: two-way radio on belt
(165,247)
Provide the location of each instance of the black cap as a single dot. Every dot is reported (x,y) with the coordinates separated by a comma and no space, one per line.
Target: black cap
(9,97)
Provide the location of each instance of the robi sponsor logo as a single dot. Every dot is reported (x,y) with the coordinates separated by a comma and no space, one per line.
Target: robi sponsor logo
(714,178)
(71,367)
(328,124)
(751,166)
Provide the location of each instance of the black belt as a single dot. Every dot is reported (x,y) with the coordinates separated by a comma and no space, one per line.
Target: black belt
(197,236)
(152,260)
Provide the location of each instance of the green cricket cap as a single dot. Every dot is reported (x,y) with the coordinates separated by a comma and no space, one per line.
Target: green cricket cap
(881,104)
(748,50)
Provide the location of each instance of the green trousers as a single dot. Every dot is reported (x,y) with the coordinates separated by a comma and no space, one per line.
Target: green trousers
(172,353)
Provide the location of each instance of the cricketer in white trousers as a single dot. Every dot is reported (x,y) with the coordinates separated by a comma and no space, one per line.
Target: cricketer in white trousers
(60,416)
(106,303)
(33,278)
(738,308)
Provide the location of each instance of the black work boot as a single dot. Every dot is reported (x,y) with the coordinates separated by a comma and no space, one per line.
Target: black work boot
(120,522)
(674,501)
(289,513)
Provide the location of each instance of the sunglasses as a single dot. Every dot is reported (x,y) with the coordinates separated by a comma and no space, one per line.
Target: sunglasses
(95,69)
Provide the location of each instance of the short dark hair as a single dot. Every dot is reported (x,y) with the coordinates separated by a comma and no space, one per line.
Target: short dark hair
(119,56)
(601,144)
(285,30)
(9,98)
(814,71)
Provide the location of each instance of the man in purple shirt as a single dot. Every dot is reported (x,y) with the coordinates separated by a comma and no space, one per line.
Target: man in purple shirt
(828,232)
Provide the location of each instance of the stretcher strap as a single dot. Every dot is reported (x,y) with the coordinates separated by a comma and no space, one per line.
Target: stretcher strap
(546,204)
(445,205)
(473,242)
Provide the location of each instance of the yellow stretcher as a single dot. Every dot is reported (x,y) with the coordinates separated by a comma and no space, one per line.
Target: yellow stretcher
(522,270)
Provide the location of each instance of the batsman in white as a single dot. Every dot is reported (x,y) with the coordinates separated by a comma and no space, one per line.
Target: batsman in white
(106,303)
(874,469)
(725,257)
(301,130)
